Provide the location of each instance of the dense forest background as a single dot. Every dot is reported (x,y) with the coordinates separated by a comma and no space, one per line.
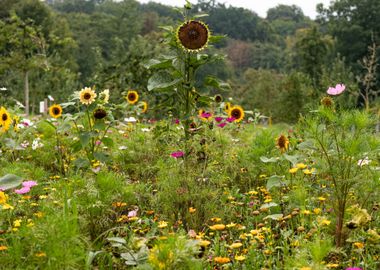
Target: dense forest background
(277,65)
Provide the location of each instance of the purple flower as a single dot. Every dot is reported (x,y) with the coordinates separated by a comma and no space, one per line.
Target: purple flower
(177,121)
(219,119)
(231,119)
(353,268)
(222,125)
(22,190)
(177,154)
(29,184)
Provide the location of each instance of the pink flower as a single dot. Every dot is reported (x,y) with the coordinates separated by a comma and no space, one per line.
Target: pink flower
(29,184)
(132,213)
(98,142)
(337,90)
(222,125)
(176,121)
(206,115)
(22,190)
(177,154)
(192,233)
(353,268)
(219,119)
(230,119)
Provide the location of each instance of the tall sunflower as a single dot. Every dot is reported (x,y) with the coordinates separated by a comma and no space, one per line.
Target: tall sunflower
(55,111)
(132,97)
(236,112)
(193,36)
(282,143)
(5,119)
(87,96)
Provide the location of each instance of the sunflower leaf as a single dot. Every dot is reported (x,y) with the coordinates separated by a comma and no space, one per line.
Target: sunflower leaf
(274,181)
(162,80)
(10,181)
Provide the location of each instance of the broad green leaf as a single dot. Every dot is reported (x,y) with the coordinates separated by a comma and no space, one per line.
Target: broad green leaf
(162,80)
(107,142)
(81,163)
(102,157)
(10,181)
(274,181)
(292,159)
(268,205)
(117,239)
(84,139)
(268,160)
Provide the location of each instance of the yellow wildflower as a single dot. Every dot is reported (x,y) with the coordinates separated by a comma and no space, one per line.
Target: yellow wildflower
(218,227)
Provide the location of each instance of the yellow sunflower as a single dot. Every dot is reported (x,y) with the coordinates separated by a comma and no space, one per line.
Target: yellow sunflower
(144,107)
(5,119)
(87,96)
(132,97)
(282,143)
(227,107)
(236,112)
(55,111)
(193,36)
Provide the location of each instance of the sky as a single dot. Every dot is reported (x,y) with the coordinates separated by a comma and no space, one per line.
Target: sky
(259,6)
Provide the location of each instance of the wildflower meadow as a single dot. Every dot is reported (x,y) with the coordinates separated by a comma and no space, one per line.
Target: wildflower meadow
(184,174)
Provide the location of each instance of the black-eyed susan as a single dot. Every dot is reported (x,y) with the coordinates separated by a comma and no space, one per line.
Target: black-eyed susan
(55,111)
(144,107)
(5,119)
(100,113)
(193,36)
(132,97)
(237,113)
(282,143)
(87,96)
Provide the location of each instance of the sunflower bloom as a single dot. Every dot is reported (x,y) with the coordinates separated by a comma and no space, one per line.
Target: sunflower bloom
(282,143)
(87,96)
(193,36)
(144,107)
(132,97)
(237,113)
(55,111)
(5,119)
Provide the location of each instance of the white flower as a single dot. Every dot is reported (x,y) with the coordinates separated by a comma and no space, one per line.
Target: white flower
(24,144)
(105,95)
(37,144)
(130,120)
(145,129)
(25,123)
(362,162)
(122,147)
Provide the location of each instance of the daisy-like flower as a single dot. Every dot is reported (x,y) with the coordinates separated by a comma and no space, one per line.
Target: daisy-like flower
(236,112)
(282,143)
(55,111)
(218,227)
(222,260)
(193,36)
(87,96)
(132,97)
(177,154)
(218,98)
(5,119)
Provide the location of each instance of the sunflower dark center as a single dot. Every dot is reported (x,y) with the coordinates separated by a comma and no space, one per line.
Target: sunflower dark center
(4,117)
(131,96)
(193,34)
(87,96)
(56,111)
(236,114)
(282,142)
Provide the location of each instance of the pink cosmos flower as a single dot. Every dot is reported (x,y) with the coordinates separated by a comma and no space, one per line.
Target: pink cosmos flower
(219,119)
(98,142)
(230,119)
(22,190)
(337,90)
(177,154)
(29,184)
(132,213)
(222,125)
(353,268)
(176,121)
